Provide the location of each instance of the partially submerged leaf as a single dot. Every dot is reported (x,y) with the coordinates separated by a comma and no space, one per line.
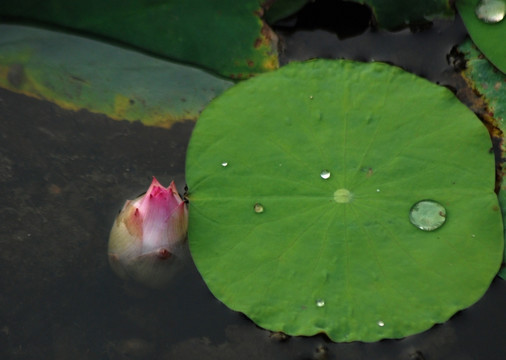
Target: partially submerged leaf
(78,73)
(486,80)
(303,184)
(393,14)
(226,36)
(491,85)
(490,38)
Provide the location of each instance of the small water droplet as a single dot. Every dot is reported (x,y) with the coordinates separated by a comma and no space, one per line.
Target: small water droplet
(378,190)
(320,303)
(259,208)
(311,97)
(224,164)
(491,11)
(427,215)
(325,174)
(381,323)
(473,235)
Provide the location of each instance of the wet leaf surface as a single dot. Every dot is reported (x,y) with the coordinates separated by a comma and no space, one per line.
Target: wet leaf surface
(78,73)
(307,228)
(488,37)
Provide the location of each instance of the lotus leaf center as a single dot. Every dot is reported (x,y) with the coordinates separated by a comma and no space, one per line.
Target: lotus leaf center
(342,196)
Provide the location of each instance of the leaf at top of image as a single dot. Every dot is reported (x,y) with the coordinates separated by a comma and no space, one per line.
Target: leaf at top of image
(78,73)
(343,198)
(489,36)
(281,9)
(226,36)
(395,14)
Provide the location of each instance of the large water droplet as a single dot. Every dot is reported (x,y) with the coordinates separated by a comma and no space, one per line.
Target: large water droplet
(427,215)
(325,174)
(224,164)
(491,11)
(381,323)
(259,208)
(342,196)
(320,303)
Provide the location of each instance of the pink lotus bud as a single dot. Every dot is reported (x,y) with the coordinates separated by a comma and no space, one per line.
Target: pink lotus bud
(148,235)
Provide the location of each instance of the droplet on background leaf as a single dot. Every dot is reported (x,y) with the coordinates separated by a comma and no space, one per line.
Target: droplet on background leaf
(491,11)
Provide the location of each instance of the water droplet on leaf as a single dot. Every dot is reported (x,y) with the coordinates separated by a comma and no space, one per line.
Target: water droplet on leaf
(427,215)
(491,11)
(378,190)
(325,174)
(320,303)
(259,208)
(381,323)
(224,164)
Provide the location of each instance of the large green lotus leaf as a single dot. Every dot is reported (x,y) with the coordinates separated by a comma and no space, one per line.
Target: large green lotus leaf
(488,37)
(226,36)
(485,80)
(78,73)
(393,14)
(303,251)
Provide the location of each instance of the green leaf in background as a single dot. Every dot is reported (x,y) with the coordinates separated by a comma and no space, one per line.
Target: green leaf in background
(302,185)
(281,9)
(226,36)
(490,38)
(394,14)
(78,73)
(487,81)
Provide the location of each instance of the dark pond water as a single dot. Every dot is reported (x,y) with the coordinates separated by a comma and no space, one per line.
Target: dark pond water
(64,175)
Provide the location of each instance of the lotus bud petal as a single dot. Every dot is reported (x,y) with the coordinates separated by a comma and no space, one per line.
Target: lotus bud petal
(148,236)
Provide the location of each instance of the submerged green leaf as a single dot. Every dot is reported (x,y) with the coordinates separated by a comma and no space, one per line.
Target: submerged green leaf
(392,14)
(78,73)
(488,37)
(226,36)
(302,186)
